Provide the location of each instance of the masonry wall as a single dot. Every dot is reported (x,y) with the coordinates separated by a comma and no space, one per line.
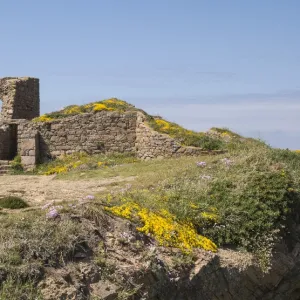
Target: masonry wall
(152,144)
(92,132)
(20,98)
(98,132)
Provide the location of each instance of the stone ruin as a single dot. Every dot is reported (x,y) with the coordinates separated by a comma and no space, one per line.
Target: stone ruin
(20,98)
(96,132)
(20,101)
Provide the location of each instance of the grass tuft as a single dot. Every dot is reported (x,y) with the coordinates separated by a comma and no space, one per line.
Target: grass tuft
(13,202)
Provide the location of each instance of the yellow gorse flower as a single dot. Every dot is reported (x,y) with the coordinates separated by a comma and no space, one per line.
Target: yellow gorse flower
(43,118)
(99,107)
(72,110)
(163,227)
(209,216)
(56,170)
(112,104)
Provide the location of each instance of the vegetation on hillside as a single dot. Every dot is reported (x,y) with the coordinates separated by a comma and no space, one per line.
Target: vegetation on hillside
(112,104)
(31,241)
(81,161)
(247,199)
(12,202)
(182,135)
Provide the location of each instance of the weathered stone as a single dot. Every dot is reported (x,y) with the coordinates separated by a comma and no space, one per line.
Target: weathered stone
(20,98)
(95,132)
(28,161)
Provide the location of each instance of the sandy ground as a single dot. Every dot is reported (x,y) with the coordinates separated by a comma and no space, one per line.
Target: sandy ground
(41,189)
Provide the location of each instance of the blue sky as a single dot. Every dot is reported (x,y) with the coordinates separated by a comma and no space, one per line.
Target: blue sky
(199,63)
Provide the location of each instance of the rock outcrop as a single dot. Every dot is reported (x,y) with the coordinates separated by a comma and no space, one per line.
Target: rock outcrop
(131,266)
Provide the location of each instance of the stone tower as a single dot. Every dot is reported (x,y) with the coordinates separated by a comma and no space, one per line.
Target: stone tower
(20,97)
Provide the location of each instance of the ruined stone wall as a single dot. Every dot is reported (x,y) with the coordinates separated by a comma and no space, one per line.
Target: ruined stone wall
(98,132)
(20,98)
(152,144)
(92,132)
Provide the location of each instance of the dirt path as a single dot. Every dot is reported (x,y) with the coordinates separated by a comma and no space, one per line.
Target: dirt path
(41,189)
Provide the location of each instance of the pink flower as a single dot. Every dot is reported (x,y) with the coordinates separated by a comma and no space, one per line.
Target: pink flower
(227,161)
(52,214)
(201,164)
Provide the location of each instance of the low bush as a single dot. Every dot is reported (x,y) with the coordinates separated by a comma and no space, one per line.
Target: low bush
(187,137)
(16,163)
(14,289)
(31,241)
(12,202)
(248,199)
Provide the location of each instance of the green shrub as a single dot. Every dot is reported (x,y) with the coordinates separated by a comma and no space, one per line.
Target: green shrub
(186,137)
(14,289)
(12,202)
(16,164)
(249,200)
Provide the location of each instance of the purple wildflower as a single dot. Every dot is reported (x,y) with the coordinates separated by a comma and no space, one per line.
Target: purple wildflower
(201,164)
(52,214)
(227,161)
(90,197)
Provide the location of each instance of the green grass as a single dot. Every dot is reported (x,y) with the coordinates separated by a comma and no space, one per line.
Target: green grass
(112,104)
(253,202)
(83,162)
(12,202)
(29,242)
(248,205)
(14,289)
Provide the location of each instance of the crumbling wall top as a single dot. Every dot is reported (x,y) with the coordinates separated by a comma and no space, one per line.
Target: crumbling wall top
(20,98)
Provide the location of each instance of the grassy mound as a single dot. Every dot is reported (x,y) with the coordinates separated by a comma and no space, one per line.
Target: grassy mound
(187,137)
(112,104)
(248,199)
(12,202)
(184,136)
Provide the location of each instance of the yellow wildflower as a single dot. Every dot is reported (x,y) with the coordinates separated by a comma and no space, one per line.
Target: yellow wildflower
(43,118)
(164,227)
(72,110)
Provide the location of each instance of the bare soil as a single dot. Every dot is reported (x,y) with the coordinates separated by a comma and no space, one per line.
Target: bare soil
(38,190)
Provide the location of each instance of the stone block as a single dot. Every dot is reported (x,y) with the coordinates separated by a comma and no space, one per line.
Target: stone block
(28,162)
